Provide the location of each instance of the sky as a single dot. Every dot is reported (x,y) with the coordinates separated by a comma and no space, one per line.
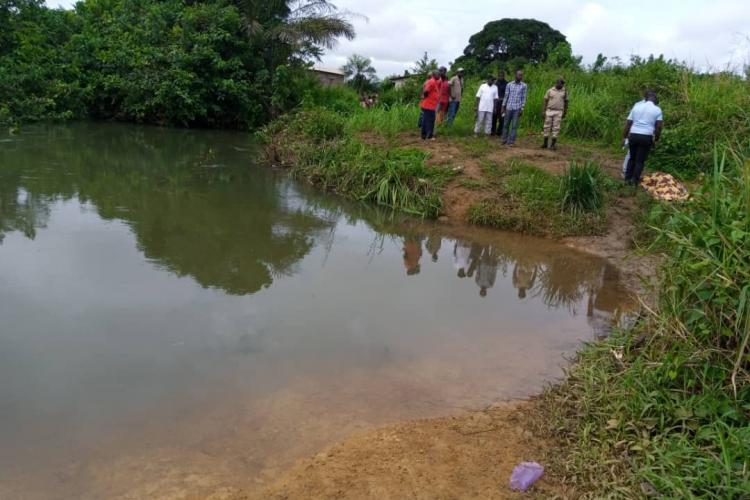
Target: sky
(394,33)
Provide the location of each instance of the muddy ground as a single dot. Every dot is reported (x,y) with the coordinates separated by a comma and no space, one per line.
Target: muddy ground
(464,456)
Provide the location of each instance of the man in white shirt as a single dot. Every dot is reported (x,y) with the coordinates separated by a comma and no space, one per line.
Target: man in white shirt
(487,97)
(642,131)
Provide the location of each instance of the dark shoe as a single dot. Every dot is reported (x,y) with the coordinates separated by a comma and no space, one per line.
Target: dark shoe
(545,143)
(553,145)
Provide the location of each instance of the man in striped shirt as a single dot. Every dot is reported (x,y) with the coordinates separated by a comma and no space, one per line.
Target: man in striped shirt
(513,104)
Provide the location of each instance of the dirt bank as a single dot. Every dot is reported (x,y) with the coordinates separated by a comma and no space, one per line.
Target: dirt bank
(465,456)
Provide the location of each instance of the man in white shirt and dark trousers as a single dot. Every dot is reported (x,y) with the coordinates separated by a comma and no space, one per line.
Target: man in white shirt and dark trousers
(642,131)
(487,97)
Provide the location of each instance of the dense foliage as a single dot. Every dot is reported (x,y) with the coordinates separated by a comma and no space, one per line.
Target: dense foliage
(37,77)
(218,63)
(513,42)
(664,409)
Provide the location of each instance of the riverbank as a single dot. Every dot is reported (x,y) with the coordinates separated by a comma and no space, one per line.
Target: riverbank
(657,409)
(468,181)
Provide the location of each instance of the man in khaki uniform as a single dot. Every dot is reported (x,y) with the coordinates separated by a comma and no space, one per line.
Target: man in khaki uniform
(555,109)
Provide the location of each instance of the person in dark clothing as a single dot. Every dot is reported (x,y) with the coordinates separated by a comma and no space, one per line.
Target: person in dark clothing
(642,131)
(497,116)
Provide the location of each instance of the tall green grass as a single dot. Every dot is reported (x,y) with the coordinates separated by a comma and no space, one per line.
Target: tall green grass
(665,407)
(581,188)
(317,147)
(385,120)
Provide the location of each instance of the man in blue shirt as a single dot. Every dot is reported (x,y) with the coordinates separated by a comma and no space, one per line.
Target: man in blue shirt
(642,131)
(513,103)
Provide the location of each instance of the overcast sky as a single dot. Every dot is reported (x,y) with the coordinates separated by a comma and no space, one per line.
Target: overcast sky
(709,34)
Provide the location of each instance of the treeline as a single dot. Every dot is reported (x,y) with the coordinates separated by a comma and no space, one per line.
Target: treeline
(214,63)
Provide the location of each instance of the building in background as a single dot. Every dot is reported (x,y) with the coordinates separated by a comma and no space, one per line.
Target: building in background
(400,81)
(329,76)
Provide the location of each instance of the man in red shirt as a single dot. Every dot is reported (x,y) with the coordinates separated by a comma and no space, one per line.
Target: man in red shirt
(430,99)
(445,95)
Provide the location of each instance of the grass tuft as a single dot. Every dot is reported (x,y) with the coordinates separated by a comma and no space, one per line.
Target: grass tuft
(581,188)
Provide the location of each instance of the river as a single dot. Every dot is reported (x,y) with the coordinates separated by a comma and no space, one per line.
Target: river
(177,317)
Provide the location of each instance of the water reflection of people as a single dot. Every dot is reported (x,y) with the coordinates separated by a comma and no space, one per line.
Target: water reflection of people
(474,254)
(433,246)
(461,256)
(486,270)
(524,275)
(412,254)
(603,301)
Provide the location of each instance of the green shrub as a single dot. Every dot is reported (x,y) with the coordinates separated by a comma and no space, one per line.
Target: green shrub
(339,98)
(319,124)
(581,188)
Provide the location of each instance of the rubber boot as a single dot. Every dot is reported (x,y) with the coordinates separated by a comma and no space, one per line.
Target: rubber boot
(552,146)
(544,144)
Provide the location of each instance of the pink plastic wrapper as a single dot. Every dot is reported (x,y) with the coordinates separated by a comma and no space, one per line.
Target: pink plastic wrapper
(524,475)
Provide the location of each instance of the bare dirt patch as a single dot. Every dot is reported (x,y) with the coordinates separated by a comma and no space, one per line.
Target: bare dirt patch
(466,456)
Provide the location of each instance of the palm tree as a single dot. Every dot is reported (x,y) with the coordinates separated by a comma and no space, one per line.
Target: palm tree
(303,27)
(359,72)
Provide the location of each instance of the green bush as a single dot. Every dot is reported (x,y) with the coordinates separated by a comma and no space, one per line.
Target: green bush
(339,98)
(581,188)
(319,124)
(167,62)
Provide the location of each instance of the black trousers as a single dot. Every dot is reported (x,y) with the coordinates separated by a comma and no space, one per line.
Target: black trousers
(497,122)
(640,145)
(428,123)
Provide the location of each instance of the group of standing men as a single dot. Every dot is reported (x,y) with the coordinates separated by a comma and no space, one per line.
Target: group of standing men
(500,105)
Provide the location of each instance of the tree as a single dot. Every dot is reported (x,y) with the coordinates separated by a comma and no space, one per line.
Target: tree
(304,28)
(359,73)
(517,40)
(562,57)
(424,66)
(207,63)
(600,63)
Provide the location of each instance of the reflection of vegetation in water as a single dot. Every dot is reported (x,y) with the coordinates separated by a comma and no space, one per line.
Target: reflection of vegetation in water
(20,210)
(189,211)
(236,228)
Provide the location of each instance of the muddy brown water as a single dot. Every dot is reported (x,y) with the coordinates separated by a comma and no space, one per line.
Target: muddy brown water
(175,319)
